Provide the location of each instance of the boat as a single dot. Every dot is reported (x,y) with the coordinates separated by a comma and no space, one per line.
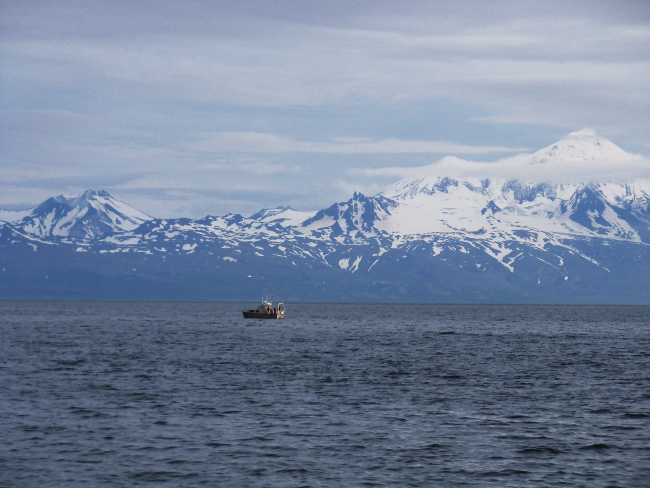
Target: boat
(265,310)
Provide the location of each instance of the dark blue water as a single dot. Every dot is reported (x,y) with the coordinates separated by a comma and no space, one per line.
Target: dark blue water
(190,394)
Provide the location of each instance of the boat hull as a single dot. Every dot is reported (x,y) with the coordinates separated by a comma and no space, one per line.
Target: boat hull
(259,315)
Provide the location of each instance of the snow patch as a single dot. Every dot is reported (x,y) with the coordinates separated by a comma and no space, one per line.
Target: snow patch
(14,215)
(355,265)
(117,240)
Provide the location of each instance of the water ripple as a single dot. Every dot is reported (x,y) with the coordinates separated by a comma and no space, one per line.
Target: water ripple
(189,394)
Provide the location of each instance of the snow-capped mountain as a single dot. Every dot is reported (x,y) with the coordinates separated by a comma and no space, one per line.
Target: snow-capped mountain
(438,235)
(357,217)
(498,209)
(93,214)
(581,146)
(487,207)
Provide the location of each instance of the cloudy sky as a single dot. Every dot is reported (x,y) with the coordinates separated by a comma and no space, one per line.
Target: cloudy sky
(188,108)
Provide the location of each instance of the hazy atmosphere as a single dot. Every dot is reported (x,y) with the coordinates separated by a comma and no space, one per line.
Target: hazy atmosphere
(195,108)
(458,295)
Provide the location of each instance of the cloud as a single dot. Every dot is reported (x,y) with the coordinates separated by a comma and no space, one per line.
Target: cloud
(276,62)
(519,167)
(165,97)
(255,142)
(250,166)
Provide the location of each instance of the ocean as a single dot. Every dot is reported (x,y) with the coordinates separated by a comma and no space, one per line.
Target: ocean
(180,394)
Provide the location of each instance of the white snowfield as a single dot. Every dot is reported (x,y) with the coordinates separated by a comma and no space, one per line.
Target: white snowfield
(466,207)
(120,216)
(13,215)
(285,216)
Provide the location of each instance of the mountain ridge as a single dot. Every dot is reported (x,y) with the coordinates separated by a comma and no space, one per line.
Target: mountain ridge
(92,214)
(423,239)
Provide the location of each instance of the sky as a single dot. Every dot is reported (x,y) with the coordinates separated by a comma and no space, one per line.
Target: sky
(189,108)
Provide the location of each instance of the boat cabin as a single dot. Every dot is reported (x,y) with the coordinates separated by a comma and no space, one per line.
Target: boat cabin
(265,310)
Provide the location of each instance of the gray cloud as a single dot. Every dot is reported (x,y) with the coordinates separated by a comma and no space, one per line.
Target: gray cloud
(255,142)
(180,100)
(625,171)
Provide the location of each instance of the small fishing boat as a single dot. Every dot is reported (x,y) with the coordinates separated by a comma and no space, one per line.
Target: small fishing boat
(265,310)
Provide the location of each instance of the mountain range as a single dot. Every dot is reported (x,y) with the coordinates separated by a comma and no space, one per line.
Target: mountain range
(516,231)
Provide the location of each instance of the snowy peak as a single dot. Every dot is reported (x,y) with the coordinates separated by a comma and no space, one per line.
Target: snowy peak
(360,214)
(409,189)
(499,199)
(266,213)
(580,156)
(92,214)
(581,146)
(285,216)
